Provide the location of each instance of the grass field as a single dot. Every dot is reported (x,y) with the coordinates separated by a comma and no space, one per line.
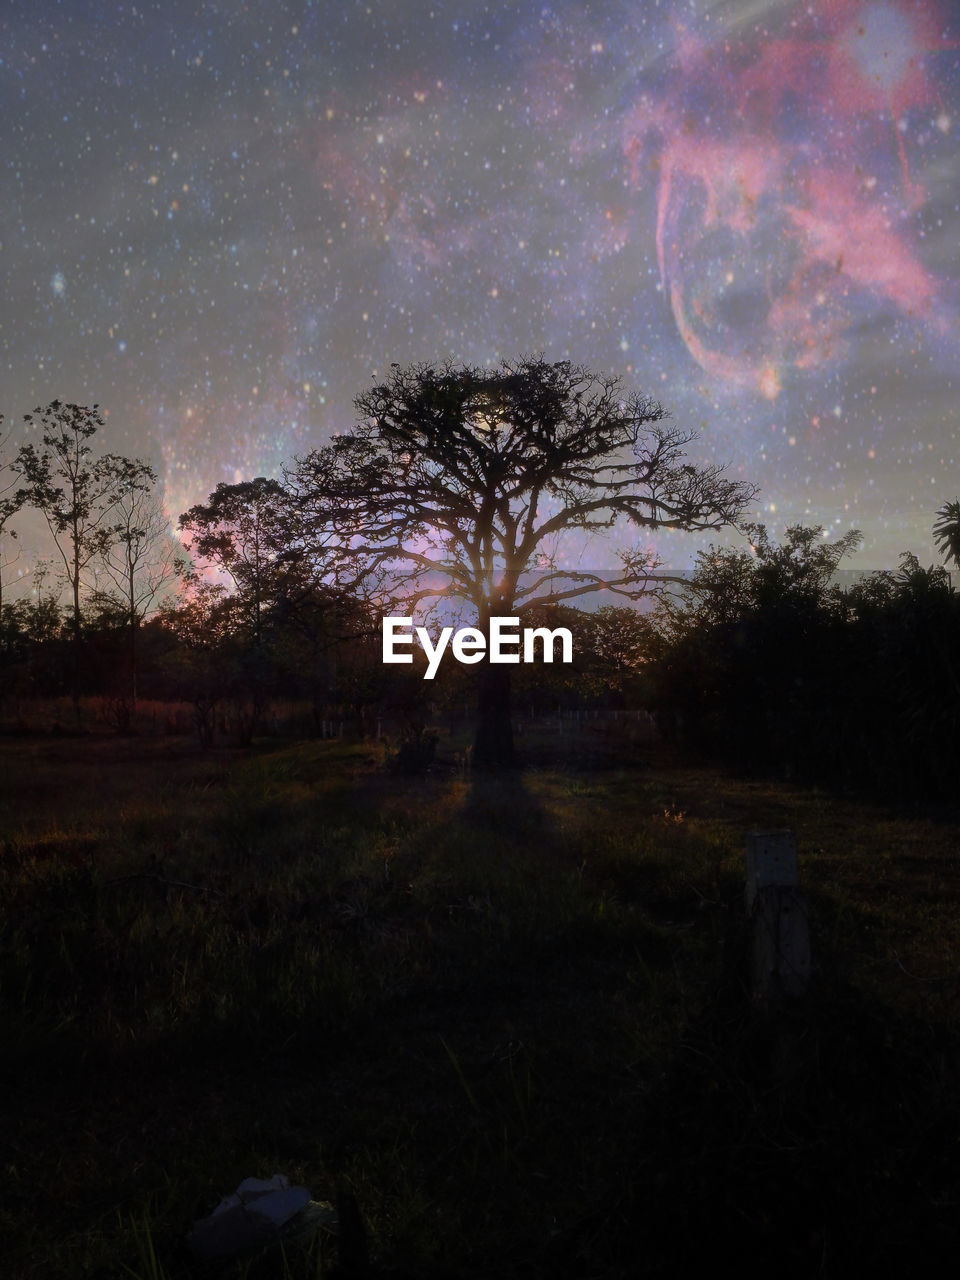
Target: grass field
(506,1015)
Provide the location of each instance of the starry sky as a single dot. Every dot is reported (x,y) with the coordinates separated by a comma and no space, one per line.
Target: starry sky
(220,219)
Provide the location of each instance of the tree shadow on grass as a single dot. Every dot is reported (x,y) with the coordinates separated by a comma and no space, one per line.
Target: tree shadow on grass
(500,803)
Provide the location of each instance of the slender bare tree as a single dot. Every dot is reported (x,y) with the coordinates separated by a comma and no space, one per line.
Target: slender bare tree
(77,494)
(139,564)
(12,499)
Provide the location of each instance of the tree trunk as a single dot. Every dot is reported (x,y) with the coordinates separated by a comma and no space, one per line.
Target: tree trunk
(134,622)
(493,744)
(75,582)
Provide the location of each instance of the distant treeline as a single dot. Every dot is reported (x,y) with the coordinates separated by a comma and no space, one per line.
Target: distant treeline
(764,657)
(770,664)
(764,661)
(321,648)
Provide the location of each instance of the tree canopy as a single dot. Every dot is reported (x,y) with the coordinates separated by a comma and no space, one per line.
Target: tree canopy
(243,529)
(475,474)
(946,531)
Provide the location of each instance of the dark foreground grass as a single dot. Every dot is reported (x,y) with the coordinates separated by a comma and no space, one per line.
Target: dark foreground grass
(506,1016)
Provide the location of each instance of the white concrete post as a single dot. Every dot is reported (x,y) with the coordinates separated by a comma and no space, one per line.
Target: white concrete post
(780,953)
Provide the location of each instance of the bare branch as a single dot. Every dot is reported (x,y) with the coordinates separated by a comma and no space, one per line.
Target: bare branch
(465,473)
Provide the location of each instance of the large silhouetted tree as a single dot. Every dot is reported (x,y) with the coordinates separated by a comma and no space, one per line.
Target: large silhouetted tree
(77,493)
(473,476)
